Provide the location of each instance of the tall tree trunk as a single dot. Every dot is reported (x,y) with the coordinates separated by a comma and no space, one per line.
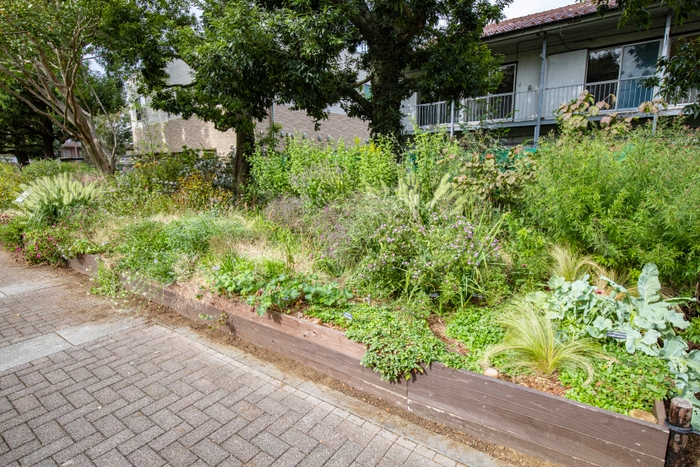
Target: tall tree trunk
(96,151)
(245,145)
(47,145)
(388,90)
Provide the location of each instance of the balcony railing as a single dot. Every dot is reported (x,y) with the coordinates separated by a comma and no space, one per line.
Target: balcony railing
(522,107)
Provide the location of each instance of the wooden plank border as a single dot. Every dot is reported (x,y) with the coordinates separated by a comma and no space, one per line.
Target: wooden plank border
(549,427)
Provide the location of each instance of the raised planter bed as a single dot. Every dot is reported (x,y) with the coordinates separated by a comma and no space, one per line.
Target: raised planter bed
(549,427)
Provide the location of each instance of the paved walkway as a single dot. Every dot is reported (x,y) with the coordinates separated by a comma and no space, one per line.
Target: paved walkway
(80,390)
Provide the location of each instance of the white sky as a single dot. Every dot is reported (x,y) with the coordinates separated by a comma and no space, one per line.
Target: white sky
(526,7)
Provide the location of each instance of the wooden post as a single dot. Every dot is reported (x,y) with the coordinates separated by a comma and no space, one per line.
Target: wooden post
(679,415)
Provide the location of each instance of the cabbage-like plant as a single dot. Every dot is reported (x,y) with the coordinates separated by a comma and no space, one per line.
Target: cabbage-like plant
(47,199)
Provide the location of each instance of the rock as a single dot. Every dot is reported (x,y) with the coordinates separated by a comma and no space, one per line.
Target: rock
(643,415)
(491,372)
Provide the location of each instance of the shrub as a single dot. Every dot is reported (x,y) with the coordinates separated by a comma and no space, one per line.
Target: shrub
(446,259)
(47,199)
(320,175)
(10,178)
(12,230)
(627,202)
(45,245)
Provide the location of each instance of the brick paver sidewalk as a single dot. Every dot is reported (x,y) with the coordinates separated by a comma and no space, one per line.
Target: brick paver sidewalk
(120,392)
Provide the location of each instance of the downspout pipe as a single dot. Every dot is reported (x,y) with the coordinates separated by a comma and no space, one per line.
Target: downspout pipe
(540,94)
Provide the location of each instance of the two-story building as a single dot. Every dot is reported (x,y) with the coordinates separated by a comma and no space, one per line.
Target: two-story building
(550,59)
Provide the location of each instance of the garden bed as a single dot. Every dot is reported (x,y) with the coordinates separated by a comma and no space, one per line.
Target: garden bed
(536,423)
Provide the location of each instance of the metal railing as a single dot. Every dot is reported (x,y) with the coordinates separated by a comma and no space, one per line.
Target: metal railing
(522,107)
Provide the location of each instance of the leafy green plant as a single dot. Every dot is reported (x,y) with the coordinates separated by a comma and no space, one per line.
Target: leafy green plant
(397,343)
(531,342)
(45,245)
(47,199)
(621,201)
(625,383)
(692,332)
(447,258)
(12,230)
(107,281)
(10,178)
(320,175)
(477,329)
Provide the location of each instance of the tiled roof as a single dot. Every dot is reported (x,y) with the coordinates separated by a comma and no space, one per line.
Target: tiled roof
(538,19)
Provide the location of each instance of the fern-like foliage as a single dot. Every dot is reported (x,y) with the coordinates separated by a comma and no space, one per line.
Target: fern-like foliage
(47,199)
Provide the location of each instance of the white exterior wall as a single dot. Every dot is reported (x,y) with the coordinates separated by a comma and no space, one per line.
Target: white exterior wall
(527,84)
(566,73)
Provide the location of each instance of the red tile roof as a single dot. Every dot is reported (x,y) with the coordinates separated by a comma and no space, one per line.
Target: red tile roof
(538,19)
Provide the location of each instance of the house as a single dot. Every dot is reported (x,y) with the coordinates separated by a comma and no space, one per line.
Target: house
(550,59)
(158,131)
(71,151)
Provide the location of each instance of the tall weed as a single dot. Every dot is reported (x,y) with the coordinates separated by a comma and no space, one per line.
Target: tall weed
(626,201)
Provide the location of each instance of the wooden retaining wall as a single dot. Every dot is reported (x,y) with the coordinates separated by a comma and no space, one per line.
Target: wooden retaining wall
(545,426)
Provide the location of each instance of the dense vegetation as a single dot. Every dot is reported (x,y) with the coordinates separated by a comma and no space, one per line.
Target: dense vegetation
(528,261)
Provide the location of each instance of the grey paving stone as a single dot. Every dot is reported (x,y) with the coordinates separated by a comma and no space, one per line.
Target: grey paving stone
(209,452)
(112,458)
(177,455)
(145,456)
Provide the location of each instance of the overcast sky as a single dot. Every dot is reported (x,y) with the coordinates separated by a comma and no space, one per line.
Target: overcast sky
(526,7)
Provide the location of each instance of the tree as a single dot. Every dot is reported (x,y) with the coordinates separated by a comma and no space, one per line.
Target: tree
(46,47)
(314,53)
(677,76)
(24,133)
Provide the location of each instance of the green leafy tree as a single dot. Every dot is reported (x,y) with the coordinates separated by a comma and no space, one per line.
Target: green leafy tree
(46,47)
(247,54)
(677,75)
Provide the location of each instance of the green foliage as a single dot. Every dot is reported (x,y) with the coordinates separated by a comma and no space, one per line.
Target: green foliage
(477,329)
(45,245)
(646,323)
(447,258)
(12,229)
(625,383)
(107,281)
(397,343)
(692,332)
(622,200)
(153,248)
(272,286)
(531,341)
(50,168)
(48,199)
(322,174)
(10,178)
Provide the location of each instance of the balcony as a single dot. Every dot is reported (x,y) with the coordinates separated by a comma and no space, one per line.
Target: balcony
(521,108)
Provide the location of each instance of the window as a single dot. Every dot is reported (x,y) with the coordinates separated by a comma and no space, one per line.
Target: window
(620,71)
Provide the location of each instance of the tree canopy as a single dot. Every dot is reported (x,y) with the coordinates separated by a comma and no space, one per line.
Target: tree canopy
(46,47)
(244,55)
